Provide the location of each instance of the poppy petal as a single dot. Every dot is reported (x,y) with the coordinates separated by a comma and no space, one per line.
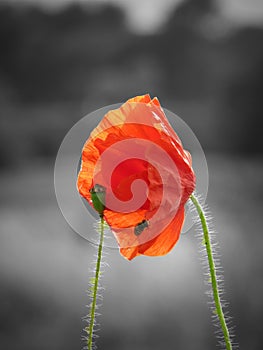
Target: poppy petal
(143,99)
(167,183)
(160,245)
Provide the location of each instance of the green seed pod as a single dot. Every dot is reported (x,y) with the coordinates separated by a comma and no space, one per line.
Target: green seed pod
(98,193)
(138,229)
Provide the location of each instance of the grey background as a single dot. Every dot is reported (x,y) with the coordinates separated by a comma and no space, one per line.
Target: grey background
(59,64)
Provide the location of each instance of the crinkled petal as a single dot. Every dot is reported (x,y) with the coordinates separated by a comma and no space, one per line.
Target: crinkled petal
(167,187)
(158,246)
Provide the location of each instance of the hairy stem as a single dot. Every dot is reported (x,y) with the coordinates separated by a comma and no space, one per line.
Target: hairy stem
(211,263)
(94,288)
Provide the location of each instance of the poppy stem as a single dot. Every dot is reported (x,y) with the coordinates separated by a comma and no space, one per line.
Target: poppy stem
(94,288)
(207,240)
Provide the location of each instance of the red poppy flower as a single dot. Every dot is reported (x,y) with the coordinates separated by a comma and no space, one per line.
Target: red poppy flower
(136,157)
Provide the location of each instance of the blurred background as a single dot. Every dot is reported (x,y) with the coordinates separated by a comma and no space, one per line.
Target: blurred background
(60,60)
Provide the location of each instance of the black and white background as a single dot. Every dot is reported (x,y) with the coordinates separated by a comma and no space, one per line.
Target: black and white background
(60,60)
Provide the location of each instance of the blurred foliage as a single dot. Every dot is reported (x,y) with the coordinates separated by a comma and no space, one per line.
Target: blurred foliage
(57,66)
(54,68)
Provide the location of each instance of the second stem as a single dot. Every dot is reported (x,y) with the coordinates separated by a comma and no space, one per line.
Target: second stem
(211,263)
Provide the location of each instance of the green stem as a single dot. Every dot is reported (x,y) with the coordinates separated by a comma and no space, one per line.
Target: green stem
(95,283)
(211,263)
